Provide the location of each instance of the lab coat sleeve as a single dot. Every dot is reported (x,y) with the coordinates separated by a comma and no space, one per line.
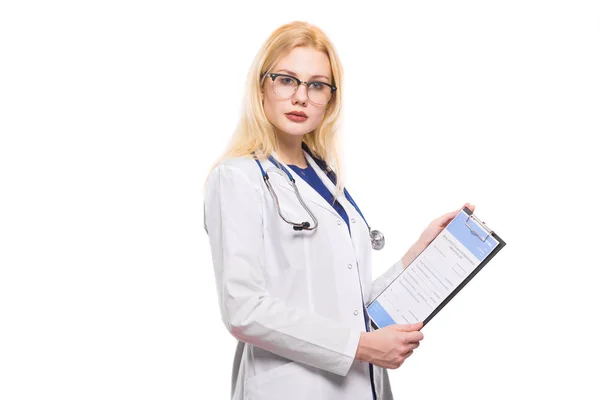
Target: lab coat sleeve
(385,280)
(233,219)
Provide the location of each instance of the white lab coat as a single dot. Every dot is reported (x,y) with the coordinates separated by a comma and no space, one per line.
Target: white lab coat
(293,299)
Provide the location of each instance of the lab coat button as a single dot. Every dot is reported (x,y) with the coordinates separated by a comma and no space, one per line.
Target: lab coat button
(349,266)
(339,222)
(353,221)
(355,312)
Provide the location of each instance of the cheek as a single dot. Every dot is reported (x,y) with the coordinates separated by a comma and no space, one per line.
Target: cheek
(318,116)
(272,108)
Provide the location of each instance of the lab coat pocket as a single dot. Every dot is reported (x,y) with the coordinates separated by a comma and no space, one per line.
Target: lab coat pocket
(291,381)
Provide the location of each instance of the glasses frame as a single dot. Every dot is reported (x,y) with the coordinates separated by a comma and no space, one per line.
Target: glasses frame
(299,82)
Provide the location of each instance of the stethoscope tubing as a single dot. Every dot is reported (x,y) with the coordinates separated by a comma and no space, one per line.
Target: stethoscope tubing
(377,238)
(298,196)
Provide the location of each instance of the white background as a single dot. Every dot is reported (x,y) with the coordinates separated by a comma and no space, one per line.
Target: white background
(111,113)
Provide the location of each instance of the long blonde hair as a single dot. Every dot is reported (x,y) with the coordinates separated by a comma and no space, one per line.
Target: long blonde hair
(254,132)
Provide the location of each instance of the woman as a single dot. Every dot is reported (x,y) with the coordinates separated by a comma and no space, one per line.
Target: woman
(294,272)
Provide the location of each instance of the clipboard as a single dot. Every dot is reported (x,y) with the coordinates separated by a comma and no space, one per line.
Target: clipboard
(478,231)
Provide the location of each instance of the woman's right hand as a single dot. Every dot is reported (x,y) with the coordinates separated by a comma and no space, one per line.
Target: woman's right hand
(389,347)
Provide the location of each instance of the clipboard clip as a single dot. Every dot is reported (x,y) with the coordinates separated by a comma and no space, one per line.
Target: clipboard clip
(481,224)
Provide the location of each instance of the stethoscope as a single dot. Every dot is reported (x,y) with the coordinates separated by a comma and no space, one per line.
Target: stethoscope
(377,238)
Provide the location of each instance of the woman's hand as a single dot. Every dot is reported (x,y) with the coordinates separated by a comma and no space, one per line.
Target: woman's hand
(389,347)
(438,225)
(430,233)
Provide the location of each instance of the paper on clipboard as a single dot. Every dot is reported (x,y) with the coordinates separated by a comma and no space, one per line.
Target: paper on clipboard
(438,273)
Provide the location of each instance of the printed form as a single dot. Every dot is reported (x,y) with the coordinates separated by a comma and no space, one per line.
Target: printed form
(448,260)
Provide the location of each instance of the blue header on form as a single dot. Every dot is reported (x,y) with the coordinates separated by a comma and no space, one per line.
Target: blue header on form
(474,244)
(379,315)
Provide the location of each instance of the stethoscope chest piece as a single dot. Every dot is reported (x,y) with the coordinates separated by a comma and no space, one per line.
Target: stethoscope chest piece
(377,239)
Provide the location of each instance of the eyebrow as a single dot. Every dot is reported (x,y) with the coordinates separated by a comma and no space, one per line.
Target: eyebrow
(294,74)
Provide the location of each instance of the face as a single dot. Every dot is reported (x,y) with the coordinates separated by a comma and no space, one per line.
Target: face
(306,64)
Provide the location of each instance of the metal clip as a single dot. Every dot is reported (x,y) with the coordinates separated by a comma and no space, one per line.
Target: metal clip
(482,224)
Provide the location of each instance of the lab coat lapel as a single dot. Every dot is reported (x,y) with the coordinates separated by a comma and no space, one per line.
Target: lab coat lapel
(341,198)
(348,207)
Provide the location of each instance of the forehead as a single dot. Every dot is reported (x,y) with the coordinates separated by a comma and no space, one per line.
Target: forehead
(306,63)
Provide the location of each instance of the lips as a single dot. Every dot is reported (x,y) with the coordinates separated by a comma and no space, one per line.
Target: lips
(296,116)
(297,113)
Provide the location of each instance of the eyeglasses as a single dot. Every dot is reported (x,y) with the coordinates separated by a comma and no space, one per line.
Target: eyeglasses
(284,86)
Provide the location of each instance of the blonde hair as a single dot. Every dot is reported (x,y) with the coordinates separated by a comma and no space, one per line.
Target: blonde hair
(254,132)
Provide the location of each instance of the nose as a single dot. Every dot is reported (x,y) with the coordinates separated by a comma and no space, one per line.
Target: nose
(301,94)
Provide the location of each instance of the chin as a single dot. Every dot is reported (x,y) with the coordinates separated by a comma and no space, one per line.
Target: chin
(295,129)
(296,133)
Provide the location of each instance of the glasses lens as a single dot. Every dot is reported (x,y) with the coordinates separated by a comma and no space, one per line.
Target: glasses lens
(284,86)
(319,93)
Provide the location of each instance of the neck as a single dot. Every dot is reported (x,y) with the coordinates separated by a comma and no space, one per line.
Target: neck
(290,150)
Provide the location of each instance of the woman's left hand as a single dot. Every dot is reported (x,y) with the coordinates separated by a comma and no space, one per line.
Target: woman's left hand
(438,225)
(430,233)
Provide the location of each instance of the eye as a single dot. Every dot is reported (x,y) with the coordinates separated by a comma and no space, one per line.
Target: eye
(318,85)
(286,81)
